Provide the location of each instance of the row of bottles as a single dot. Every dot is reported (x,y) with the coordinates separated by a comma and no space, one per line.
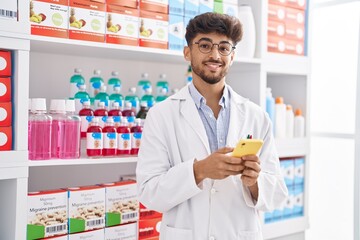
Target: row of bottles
(286,123)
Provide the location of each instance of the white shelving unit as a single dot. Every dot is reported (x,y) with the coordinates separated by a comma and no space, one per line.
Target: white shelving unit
(43,66)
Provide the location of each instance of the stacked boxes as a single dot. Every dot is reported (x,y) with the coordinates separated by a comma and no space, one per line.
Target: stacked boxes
(293,170)
(149,224)
(286,26)
(229,7)
(5,101)
(176,25)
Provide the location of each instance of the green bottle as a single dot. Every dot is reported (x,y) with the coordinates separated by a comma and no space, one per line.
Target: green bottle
(162,84)
(148,98)
(80,97)
(102,96)
(96,82)
(75,81)
(143,84)
(162,96)
(117,97)
(133,99)
(113,82)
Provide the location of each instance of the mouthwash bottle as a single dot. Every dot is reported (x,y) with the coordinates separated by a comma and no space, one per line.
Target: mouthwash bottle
(80,97)
(133,99)
(188,76)
(117,97)
(129,113)
(162,84)
(110,138)
(115,113)
(124,138)
(162,96)
(75,81)
(58,115)
(40,131)
(136,133)
(142,85)
(102,96)
(101,113)
(148,98)
(94,139)
(114,81)
(96,81)
(70,148)
(86,114)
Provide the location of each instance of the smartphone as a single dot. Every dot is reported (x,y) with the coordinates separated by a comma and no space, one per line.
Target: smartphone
(247,147)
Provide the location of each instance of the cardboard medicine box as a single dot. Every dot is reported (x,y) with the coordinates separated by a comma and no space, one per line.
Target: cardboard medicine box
(124,3)
(5,138)
(127,231)
(49,18)
(89,235)
(122,25)
(149,228)
(146,213)
(122,205)
(159,6)
(153,29)
(47,214)
(5,114)
(87,20)
(5,63)
(176,32)
(86,208)
(5,89)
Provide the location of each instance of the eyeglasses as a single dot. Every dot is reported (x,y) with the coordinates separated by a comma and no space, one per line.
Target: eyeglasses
(206,46)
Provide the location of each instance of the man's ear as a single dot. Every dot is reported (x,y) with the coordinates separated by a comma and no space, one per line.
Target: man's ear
(187,54)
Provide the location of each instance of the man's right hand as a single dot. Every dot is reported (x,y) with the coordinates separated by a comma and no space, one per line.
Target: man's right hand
(218,165)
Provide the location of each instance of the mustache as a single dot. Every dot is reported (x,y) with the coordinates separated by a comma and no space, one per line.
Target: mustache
(214,61)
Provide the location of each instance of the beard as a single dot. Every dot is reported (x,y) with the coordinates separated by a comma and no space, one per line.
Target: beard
(210,78)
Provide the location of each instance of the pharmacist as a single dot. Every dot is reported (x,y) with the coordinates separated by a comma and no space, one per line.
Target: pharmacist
(183,168)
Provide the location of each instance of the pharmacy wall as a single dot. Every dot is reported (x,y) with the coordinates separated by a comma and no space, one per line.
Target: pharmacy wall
(41,67)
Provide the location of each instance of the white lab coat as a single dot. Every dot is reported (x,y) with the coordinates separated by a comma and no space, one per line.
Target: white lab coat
(173,137)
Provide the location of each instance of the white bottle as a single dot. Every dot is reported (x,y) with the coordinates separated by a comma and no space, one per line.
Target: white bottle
(280,118)
(289,122)
(299,124)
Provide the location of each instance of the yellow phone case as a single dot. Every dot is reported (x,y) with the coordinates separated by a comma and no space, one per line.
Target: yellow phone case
(247,147)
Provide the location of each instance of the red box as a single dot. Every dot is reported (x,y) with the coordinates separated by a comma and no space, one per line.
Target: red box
(5,138)
(5,114)
(295,17)
(5,63)
(283,45)
(124,3)
(146,213)
(149,228)
(278,2)
(299,4)
(154,6)
(294,32)
(5,89)
(276,12)
(294,47)
(276,44)
(276,28)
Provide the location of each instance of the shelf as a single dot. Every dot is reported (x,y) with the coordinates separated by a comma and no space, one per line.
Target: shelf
(286,64)
(13,159)
(285,227)
(83,161)
(292,147)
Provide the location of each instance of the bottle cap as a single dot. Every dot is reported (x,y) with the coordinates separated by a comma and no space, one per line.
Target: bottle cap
(298,112)
(114,73)
(144,75)
(279,100)
(77,70)
(143,104)
(57,105)
(70,105)
(97,72)
(288,107)
(162,76)
(38,104)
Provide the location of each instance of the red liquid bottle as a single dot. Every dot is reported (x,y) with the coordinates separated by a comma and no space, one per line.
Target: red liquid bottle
(115,113)
(129,113)
(94,139)
(124,138)
(101,113)
(86,114)
(110,138)
(136,132)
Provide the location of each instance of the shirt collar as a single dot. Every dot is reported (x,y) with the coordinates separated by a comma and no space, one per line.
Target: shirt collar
(200,100)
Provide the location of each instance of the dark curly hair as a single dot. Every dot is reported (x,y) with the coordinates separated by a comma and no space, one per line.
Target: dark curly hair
(214,23)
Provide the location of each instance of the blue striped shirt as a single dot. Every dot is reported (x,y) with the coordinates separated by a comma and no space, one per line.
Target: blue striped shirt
(216,129)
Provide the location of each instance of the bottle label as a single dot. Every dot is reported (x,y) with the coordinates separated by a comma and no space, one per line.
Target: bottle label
(136,140)
(110,140)
(85,120)
(94,140)
(124,141)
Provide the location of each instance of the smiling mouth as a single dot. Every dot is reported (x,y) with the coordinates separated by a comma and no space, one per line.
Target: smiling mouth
(213,66)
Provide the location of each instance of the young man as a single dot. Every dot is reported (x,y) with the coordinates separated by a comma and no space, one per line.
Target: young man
(183,169)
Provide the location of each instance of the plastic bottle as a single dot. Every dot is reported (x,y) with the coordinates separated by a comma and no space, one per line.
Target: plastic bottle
(270,106)
(115,113)
(113,82)
(143,110)
(71,142)
(86,114)
(94,139)
(102,96)
(124,138)
(162,84)
(129,113)
(142,85)
(117,97)
(133,99)
(148,98)
(299,124)
(161,97)
(101,113)
(96,82)
(75,81)
(136,133)
(40,131)
(29,116)
(188,75)
(110,138)
(80,97)
(58,115)
(280,118)
(289,121)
